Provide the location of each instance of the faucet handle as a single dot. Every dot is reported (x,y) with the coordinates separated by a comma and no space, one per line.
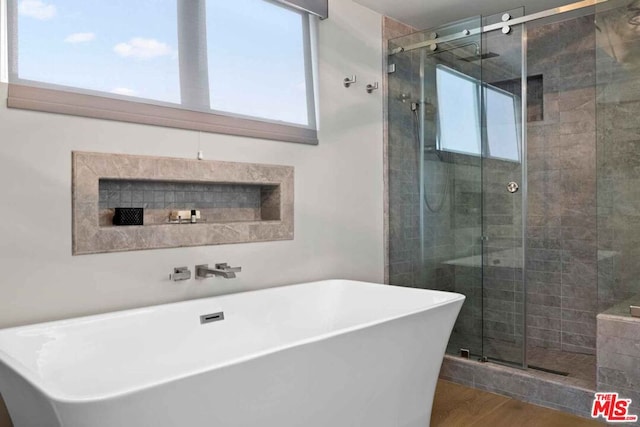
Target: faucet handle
(180,273)
(225,267)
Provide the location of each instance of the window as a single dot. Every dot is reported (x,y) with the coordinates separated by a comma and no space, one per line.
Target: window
(503,140)
(242,67)
(460,120)
(259,48)
(458,112)
(100,46)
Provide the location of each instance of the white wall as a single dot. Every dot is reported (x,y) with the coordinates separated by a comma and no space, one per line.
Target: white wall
(338,196)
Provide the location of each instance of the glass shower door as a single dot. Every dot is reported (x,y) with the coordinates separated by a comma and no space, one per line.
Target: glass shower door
(435,201)
(504,186)
(456,184)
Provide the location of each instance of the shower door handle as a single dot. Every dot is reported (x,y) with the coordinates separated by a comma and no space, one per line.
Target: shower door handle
(513,187)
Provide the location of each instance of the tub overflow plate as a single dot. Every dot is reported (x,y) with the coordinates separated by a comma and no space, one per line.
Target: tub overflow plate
(211,317)
(512,187)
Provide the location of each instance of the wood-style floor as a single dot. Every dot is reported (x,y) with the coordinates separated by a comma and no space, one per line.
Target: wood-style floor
(459,406)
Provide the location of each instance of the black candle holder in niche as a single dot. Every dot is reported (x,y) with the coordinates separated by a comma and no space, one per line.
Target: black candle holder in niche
(128,216)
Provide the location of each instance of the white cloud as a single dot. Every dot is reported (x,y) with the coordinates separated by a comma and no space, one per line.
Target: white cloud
(124,91)
(140,48)
(80,37)
(36,9)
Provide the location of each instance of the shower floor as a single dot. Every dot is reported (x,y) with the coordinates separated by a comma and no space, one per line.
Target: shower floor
(580,368)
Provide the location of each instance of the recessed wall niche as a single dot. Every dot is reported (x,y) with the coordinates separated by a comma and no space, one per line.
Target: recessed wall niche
(237,202)
(215,202)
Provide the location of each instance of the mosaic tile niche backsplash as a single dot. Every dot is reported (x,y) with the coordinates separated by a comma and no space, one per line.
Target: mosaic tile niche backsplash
(176,195)
(217,202)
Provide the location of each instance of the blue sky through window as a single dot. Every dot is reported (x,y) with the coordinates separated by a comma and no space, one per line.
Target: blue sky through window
(118,46)
(255,52)
(256,60)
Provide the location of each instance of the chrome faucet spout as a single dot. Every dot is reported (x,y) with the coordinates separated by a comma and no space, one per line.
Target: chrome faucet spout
(221,270)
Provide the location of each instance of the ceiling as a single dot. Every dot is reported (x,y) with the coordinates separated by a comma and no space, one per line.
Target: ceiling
(425,14)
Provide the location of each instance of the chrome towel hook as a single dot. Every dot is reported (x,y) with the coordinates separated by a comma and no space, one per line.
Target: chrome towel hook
(372,87)
(348,81)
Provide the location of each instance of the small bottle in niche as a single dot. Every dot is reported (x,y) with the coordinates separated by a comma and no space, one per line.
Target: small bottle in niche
(193,216)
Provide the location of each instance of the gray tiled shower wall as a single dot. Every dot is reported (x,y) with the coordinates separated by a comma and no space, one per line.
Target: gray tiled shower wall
(177,195)
(618,142)
(562,259)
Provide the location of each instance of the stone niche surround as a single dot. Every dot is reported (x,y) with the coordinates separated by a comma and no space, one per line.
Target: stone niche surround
(89,236)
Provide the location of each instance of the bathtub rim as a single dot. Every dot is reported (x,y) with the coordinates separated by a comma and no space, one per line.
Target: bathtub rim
(58,396)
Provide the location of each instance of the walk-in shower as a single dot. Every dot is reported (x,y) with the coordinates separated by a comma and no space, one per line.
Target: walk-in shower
(514,177)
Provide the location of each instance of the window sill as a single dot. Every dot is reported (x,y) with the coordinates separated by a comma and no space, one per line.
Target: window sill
(76,104)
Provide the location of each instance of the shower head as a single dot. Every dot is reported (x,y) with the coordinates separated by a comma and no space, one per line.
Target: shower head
(474,58)
(477,55)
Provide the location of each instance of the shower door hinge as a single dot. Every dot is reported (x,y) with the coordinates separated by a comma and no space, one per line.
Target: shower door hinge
(391,68)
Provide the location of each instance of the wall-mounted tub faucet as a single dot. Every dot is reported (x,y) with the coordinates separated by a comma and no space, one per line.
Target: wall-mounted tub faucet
(223,270)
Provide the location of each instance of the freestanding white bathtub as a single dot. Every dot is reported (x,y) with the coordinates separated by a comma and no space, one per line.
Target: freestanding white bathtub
(324,354)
